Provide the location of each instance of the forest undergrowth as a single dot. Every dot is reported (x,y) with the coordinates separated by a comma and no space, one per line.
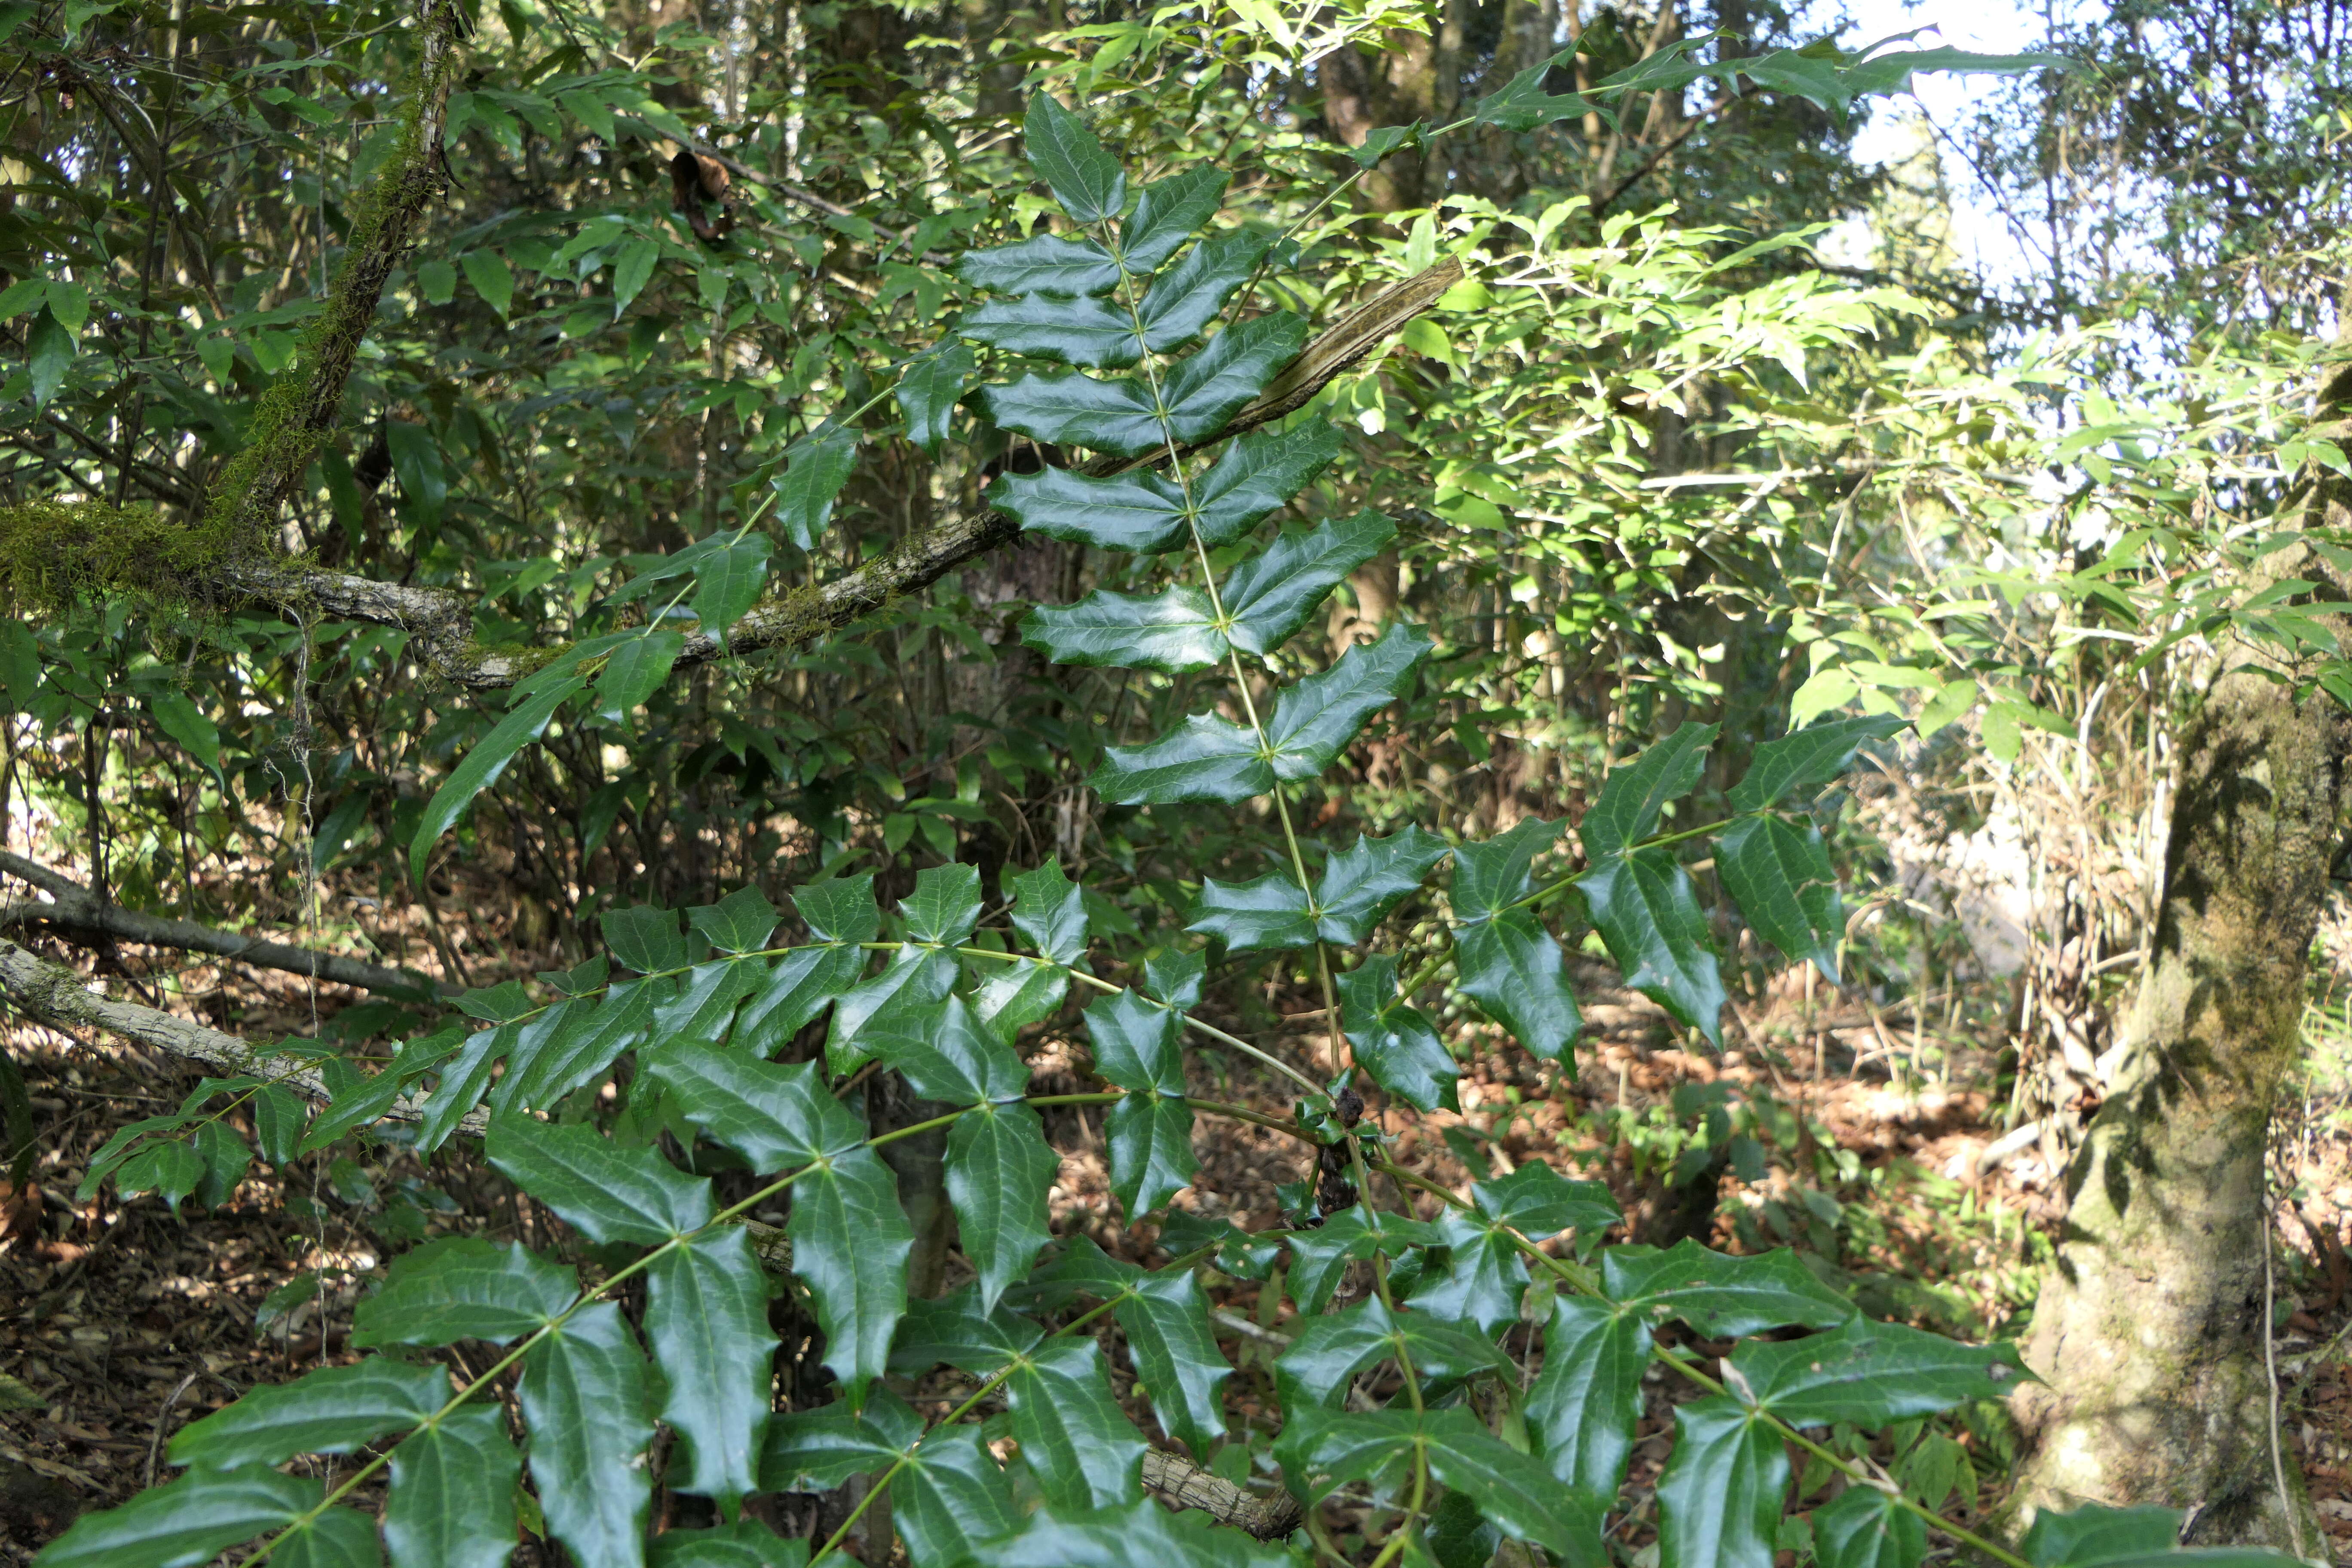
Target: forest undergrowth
(1871,1121)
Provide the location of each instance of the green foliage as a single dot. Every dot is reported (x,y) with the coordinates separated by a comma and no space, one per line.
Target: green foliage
(940,1001)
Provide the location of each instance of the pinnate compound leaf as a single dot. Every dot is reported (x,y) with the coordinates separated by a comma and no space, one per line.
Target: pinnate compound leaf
(1139,1534)
(916,978)
(1647,911)
(1044,264)
(1511,1490)
(453,1489)
(1203,392)
(192,1521)
(1806,758)
(1075,409)
(1638,791)
(1149,1137)
(946,1055)
(1068,157)
(2095,1533)
(1510,966)
(816,468)
(605,1192)
(1096,333)
(1258,473)
(1190,294)
(929,391)
(1720,1296)
(1136,1044)
(1317,1367)
(1169,213)
(333,1410)
(1316,719)
(1166,1317)
(851,1242)
(1719,1495)
(1538,1201)
(998,1168)
(777,1117)
(1362,884)
(1271,594)
(1496,873)
(645,939)
(1176,979)
(1394,1041)
(635,670)
(1584,1406)
(1779,875)
(583,1401)
(742,922)
(1204,758)
(339,1537)
(462,1288)
(801,984)
(706,1320)
(1523,103)
(1140,512)
(1862,1526)
(1873,1374)
(566,1047)
(523,724)
(1269,912)
(945,905)
(1051,911)
(1319,1258)
(746,1543)
(951,1495)
(1080,1444)
(1174,630)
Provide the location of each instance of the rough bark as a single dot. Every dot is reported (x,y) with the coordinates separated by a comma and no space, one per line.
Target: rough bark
(51,994)
(78,912)
(2151,1331)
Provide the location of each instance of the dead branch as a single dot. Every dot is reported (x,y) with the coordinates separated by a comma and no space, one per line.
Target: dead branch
(441,621)
(78,912)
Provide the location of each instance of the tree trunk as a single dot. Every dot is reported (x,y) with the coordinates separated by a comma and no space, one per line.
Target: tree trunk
(2151,1331)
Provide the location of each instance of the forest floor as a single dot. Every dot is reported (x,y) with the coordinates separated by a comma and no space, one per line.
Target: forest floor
(120,1323)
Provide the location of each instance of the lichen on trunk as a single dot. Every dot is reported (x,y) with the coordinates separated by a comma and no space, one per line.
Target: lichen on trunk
(2151,1331)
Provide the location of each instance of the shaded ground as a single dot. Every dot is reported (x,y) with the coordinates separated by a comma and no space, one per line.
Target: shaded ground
(119,1323)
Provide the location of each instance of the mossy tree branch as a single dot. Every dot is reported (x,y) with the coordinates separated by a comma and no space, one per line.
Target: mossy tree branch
(306,402)
(441,620)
